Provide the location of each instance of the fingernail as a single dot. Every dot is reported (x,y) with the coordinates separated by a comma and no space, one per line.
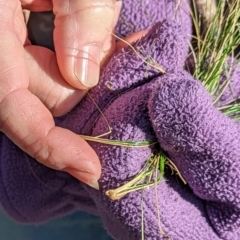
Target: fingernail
(118,7)
(118,4)
(84,177)
(94,184)
(87,65)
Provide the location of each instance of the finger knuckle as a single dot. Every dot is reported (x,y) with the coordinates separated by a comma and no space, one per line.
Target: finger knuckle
(41,150)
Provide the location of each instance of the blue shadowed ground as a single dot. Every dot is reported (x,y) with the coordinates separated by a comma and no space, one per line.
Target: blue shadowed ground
(78,226)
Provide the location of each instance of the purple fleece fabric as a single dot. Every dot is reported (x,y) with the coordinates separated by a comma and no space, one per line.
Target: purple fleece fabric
(138,15)
(140,103)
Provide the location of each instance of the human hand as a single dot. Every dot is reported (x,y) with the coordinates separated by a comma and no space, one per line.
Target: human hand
(22,176)
(36,84)
(125,106)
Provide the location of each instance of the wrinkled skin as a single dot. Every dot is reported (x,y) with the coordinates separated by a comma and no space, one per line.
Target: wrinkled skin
(143,105)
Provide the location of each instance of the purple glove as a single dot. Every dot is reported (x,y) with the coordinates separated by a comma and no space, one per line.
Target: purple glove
(139,15)
(204,144)
(31,192)
(210,211)
(140,106)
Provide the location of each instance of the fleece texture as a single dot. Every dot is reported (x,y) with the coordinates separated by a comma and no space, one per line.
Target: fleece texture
(140,103)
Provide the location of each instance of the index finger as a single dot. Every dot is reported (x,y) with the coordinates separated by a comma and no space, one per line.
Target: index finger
(24,118)
(81,28)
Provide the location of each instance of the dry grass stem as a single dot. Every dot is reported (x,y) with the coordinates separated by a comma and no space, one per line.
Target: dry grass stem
(151,63)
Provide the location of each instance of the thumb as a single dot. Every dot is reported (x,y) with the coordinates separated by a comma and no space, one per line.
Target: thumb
(82,29)
(202,141)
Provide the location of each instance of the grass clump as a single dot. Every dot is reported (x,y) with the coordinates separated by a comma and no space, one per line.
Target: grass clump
(213,51)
